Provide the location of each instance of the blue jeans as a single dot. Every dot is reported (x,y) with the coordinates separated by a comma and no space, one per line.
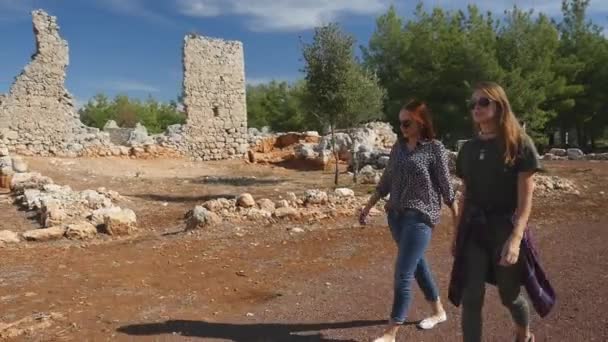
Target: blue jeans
(412,235)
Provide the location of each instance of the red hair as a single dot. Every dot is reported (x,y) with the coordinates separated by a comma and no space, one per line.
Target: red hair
(421,113)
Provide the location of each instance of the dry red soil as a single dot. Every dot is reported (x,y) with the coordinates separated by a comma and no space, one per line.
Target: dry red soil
(248,282)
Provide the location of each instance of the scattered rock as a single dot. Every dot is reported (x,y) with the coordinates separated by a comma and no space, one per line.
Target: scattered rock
(4,151)
(305,151)
(315,197)
(286,212)
(575,154)
(551,156)
(255,214)
(245,200)
(282,204)
(8,236)
(6,171)
(31,198)
(550,184)
(291,197)
(19,165)
(344,192)
(200,217)
(369,176)
(81,231)
(30,325)
(45,234)
(95,200)
(110,124)
(120,223)
(266,204)
(98,216)
(560,152)
(216,205)
(52,214)
(139,136)
(29,180)
(6,162)
(383,161)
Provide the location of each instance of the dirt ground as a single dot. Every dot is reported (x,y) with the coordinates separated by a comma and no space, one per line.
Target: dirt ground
(262,282)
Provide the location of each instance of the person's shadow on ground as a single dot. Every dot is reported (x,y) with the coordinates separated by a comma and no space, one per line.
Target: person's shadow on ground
(262,332)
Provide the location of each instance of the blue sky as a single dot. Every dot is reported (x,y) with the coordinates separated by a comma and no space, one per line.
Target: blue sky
(134,46)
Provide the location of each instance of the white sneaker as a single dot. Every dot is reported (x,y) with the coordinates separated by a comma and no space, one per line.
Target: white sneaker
(385,339)
(431,322)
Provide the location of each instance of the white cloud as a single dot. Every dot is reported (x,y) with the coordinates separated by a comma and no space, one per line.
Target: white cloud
(137,8)
(285,15)
(195,8)
(130,85)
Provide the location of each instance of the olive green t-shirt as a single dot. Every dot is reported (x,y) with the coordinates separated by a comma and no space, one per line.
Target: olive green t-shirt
(490,182)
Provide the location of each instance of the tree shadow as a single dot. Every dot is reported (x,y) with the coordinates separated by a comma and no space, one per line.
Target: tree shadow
(186,199)
(265,332)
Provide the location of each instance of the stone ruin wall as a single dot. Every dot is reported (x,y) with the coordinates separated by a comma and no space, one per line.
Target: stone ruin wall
(38,117)
(214,89)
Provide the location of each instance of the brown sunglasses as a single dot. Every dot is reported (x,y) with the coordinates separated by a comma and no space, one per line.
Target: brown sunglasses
(482,102)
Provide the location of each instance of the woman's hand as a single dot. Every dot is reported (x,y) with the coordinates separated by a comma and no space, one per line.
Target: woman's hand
(363,213)
(510,251)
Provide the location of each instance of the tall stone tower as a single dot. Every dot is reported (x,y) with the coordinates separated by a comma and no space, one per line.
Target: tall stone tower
(214,98)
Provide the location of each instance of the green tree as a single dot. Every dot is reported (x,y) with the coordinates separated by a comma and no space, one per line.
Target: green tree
(434,57)
(555,74)
(586,49)
(331,75)
(256,114)
(278,105)
(97,111)
(528,52)
(127,112)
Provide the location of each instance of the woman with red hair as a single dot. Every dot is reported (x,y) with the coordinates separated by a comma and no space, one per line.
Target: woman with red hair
(417,178)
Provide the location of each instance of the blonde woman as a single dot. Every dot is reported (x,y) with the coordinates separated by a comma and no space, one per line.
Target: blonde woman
(492,243)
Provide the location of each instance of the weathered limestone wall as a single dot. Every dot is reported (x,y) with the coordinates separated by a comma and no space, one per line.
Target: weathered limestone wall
(37,116)
(214,88)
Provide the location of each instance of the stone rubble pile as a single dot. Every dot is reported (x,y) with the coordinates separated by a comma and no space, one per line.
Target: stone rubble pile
(572,154)
(313,204)
(61,211)
(370,142)
(545,185)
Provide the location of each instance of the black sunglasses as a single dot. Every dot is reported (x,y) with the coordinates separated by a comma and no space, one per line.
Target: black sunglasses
(405,123)
(482,102)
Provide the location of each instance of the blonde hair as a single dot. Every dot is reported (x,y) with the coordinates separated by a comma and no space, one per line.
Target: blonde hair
(510,131)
